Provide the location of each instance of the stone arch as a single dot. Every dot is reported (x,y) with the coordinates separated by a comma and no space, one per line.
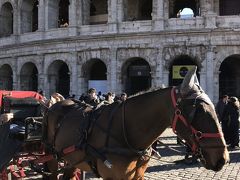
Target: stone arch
(138,10)
(197,54)
(179,67)
(136,75)
(98,11)
(176,6)
(6,18)
(58,13)
(229,76)
(6,77)
(222,54)
(29,15)
(59,77)
(29,77)
(63,16)
(94,73)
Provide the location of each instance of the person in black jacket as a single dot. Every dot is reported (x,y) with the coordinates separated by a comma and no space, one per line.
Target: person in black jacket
(230,121)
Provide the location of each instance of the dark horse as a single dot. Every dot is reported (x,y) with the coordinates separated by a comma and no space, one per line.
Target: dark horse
(116,144)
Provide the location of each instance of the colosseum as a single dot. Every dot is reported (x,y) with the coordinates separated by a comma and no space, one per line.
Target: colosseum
(67,46)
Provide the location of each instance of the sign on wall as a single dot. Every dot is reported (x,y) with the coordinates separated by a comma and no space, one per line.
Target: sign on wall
(179,71)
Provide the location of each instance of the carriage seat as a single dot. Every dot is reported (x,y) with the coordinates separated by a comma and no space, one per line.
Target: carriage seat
(22,108)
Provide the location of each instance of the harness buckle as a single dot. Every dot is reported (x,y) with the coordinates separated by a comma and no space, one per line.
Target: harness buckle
(178,112)
(198,134)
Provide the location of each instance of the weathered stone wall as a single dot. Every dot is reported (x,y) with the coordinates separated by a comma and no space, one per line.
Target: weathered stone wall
(208,39)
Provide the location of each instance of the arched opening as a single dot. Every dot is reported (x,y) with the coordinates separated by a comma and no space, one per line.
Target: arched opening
(98,11)
(176,7)
(229,77)
(59,78)
(139,10)
(6,77)
(29,77)
(29,16)
(35,16)
(95,72)
(63,17)
(6,20)
(136,74)
(229,7)
(179,68)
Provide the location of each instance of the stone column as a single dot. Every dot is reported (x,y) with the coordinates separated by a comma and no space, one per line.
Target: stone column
(120,10)
(203,79)
(41,15)
(73,73)
(72,18)
(51,14)
(16,21)
(210,57)
(113,70)
(165,80)
(85,9)
(112,16)
(207,10)
(41,75)
(15,74)
(159,70)
(158,15)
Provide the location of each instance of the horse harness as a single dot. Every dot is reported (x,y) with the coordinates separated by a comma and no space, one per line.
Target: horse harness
(196,135)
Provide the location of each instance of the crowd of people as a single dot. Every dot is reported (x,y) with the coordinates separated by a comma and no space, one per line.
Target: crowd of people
(95,98)
(228,111)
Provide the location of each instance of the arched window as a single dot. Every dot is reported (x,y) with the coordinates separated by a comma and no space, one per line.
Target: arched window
(6,20)
(176,7)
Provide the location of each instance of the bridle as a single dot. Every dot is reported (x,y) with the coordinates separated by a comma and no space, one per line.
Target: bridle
(195,134)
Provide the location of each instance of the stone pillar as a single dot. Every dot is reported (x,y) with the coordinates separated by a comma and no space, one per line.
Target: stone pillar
(73,73)
(159,70)
(203,80)
(112,16)
(72,18)
(41,15)
(15,74)
(207,10)
(216,87)
(120,10)
(41,75)
(165,80)
(85,8)
(158,15)
(113,70)
(210,57)
(51,14)
(16,21)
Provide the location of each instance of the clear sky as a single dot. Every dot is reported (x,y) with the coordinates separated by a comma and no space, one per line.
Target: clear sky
(187,11)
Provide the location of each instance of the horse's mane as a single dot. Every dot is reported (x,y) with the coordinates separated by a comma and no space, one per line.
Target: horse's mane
(152,89)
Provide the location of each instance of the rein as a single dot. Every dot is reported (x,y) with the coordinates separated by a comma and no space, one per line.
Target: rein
(197,135)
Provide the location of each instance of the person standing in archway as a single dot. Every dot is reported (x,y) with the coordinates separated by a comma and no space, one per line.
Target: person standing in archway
(231,122)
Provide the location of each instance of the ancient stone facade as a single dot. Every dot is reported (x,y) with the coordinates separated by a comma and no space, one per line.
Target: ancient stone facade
(127,45)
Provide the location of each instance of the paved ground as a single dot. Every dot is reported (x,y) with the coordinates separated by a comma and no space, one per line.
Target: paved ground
(164,169)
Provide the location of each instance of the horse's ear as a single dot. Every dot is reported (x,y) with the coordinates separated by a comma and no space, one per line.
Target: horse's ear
(189,80)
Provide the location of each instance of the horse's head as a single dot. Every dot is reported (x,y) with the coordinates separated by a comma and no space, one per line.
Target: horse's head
(196,122)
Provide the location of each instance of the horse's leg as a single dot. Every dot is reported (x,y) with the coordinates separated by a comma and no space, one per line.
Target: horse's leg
(141,167)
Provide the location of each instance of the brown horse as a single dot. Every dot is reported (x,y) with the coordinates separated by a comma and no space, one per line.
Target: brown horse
(116,144)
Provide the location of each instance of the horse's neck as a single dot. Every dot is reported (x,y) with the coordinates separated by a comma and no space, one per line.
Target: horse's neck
(152,115)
